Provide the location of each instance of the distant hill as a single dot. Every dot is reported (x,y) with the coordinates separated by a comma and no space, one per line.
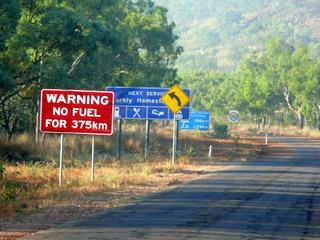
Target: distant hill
(216,33)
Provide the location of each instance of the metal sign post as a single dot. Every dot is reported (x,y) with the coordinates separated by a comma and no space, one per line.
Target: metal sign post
(233,118)
(174,139)
(70,111)
(175,99)
(119,139)
(146,144)
(61,159)
(143,103)
(92,159)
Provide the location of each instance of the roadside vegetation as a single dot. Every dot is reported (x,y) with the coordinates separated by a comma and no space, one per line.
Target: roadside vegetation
(30,173)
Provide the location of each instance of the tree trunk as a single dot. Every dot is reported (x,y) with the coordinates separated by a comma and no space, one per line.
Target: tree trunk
(317,107)
(286,94)
(300,119)
(262,123)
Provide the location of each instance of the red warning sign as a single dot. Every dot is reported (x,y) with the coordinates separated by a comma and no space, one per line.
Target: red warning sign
(77,112)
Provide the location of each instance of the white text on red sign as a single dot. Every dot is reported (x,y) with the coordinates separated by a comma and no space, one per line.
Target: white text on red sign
(77,112)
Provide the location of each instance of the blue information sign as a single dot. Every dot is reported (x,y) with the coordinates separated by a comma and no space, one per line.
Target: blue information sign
(198,120)
(145,104)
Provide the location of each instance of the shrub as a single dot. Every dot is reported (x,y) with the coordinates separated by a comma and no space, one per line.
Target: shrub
(11,190)
(18,151)
(2,170)
(220,131)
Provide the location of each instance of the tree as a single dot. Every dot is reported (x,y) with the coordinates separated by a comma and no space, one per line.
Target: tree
(278,63)
(9,16)
(205,38)
(47,44)
(145,53)
(84,45)
(302,35)
(314,50)
(281,69)
(205,87)
(256,94)
(304,81)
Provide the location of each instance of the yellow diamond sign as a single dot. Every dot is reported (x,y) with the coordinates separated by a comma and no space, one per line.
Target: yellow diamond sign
(175,98)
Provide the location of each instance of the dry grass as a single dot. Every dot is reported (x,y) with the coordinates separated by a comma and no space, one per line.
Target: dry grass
(279,130)
(29,186)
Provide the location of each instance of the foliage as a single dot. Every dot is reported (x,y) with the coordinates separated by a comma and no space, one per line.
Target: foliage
(11,191)
(16,151)
(79,45)
(206,91)
(231,28)
(220,131)
(283,78)
(2,170)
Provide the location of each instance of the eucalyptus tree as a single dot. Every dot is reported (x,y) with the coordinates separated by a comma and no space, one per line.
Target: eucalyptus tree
(207,93)
(9,17)
(145,52)
(304,82)
(84,45)
(279,60)
(149,34)
(47,41)
(281,76)
(313,92)
(256,95)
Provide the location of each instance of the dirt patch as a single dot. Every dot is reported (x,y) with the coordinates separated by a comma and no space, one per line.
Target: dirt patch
(276,150)
(41,219)
(271,148)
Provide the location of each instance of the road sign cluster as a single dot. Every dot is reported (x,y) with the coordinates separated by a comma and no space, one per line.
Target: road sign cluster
(68,111)
(92,112)
(148,103)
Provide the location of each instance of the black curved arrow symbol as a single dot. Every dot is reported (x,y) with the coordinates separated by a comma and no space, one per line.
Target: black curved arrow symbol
(173,95)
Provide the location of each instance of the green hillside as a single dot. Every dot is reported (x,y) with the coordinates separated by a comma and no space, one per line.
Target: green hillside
(216,33)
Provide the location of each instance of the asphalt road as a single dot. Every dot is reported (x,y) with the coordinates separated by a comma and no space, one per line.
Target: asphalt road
(267,199)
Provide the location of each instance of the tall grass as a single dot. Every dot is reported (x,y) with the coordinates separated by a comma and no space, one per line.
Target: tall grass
(279,130)
(31,172)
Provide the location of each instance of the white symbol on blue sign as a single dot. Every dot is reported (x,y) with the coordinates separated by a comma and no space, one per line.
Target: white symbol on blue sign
(157,112)
(136,114)
(120,112)
(117,112)
(184,124)
(179,115)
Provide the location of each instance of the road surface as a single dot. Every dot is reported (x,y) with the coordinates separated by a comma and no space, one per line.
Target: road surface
(266,199)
